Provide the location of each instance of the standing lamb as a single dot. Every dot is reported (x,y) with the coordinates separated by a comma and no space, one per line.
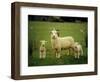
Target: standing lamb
(42,49)
(78,50)
(59,43)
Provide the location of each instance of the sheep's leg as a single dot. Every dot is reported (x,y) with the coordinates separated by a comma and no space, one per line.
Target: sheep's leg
(75,55)
(58,55)
(44,55)
(78,55)
(69,51)
(72,51)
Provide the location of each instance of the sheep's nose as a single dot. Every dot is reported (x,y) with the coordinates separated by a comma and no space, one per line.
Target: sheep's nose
(53,37)
(43,45)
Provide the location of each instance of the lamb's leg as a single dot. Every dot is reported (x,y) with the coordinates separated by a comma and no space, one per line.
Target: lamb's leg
(56,52)
(59,50)
(75,55)
(58,55)
(44,55)
(78,55)
(71,51)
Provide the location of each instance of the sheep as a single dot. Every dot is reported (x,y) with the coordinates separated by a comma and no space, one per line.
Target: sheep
(78,50)
(59,43)
(42,49)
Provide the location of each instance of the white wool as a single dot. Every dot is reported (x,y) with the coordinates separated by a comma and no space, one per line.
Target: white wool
(42,49)
(60,42)
(78,49)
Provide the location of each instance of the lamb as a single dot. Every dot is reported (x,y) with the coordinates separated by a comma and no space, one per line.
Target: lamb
(59,43)
(78,50)
(42,49)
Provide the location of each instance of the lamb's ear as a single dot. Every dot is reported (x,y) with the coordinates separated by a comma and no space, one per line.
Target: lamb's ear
(45,41)
(58,33)
(57,29)
(50,32)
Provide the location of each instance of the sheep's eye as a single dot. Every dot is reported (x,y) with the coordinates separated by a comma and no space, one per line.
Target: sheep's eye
(75,47)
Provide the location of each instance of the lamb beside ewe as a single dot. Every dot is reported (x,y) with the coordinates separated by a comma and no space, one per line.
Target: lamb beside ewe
(59,43)
(42,49)
(77,50)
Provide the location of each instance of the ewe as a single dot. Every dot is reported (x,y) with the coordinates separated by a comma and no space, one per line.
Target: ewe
(59,43)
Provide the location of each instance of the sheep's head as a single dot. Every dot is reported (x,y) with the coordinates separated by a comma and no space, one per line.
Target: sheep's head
(54,34)
(75,45)
(43,42)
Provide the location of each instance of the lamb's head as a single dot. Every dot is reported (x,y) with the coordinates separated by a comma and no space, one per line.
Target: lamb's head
(54,34)
(43,42)
(75,45)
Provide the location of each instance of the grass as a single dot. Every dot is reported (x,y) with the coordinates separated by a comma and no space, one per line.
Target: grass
(41,31)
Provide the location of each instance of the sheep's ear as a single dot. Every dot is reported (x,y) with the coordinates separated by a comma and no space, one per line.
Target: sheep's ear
(58,32)
(45,41)
(57,29)
(50,32)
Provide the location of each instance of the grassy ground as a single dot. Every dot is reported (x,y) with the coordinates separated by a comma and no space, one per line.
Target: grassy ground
(41,31)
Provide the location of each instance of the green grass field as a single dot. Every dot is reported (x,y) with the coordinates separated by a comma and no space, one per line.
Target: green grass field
(41,31)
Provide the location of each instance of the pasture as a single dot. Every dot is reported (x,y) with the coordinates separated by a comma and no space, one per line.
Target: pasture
(38,30)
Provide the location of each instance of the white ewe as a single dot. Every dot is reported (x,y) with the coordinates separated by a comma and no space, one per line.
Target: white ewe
(59,43)
(42,49)
(78,50)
